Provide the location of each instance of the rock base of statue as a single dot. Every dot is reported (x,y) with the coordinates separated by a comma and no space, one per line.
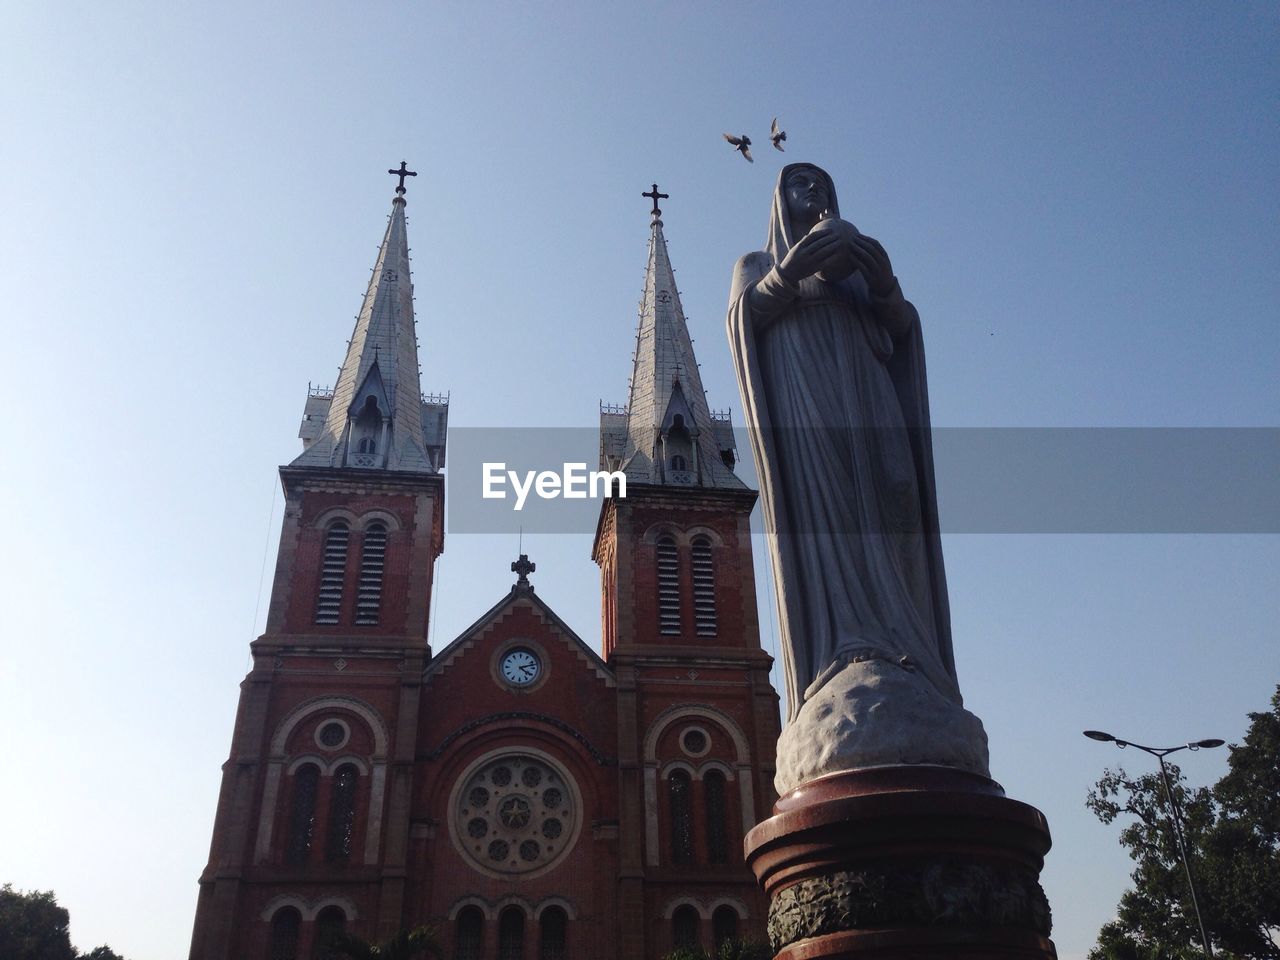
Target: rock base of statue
(903,862)
(875,713)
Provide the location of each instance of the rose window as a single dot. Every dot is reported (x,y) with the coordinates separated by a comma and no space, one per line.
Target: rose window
(515,814)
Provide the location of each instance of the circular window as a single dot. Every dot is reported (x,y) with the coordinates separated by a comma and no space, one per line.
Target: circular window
(695,742)
(514,814)
(332,734)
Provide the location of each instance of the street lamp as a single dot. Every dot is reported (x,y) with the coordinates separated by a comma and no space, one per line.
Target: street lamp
(1175,814)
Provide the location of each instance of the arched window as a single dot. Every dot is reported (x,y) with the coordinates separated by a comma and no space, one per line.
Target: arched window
(668,587)
(332,572)
(704,588)
(552,941)
(511,934)
(369,594)
(329,924)
(468,934)
(285,926)
(368,426)
(302,815)
(679,463)
(681,790)
(717,817)
(342,814)
(684,927)
(724,926)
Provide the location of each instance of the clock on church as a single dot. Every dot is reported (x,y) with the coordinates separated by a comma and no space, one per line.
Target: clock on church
(521,667)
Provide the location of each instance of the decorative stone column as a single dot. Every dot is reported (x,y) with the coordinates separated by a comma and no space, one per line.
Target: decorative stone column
(908,862)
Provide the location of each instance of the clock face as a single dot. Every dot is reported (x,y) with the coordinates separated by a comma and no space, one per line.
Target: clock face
(520,668)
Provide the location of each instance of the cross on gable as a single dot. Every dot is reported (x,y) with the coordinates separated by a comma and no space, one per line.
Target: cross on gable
(656,196)
(523,567)
(403,172)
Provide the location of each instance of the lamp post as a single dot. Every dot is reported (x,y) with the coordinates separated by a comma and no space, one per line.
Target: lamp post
(1175,814)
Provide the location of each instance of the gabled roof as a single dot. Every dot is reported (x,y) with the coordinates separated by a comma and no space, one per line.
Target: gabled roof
(385,336)
(517,597)
(665,372)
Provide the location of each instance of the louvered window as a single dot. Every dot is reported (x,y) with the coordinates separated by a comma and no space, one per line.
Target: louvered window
(332,573)
(704,588)
(468,935)
(511,934)
(668,587)
(330,925)
(302,818)
(372,561)
(724,926)
(684,927)
(681,789)
(713,794)
(551,945)
(285,927)
(342,814)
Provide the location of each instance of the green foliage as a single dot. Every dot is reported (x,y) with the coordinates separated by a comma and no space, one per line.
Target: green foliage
(1233,842)
(729,950)
(34,927)
(405,945)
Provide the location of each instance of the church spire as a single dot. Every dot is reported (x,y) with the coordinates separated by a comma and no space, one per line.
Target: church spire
(666,434)
(376,416)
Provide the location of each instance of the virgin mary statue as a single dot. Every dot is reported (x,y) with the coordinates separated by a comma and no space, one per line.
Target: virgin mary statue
(830,363)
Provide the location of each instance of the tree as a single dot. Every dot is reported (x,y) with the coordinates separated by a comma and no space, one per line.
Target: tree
(403,946)
(34,927)
(1233,843)
(729,950)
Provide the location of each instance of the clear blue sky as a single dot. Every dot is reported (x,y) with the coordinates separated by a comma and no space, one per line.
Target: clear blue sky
(1081,200)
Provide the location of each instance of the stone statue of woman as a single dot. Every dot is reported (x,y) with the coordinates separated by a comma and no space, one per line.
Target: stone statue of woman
(830,364)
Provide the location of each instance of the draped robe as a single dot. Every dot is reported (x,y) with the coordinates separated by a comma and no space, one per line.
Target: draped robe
(838,414)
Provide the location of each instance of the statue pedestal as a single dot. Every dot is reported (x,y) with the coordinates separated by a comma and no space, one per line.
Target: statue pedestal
(908,862)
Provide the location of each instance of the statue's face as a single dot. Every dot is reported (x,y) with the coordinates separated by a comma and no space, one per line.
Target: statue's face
(807,195)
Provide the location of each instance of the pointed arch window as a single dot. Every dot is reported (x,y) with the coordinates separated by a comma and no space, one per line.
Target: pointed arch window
(511,934)
(468,934)
(681,790)
(668,587)
(372,561)
(704,588)
(342,814)
(302,814)
(330,924)
(714,795)
(333,571)
(367,429)
(285,927)
(684,927)
(724,926)
(552,935)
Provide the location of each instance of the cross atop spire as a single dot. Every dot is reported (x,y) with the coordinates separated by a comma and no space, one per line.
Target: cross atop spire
(404,171)
(522,568)
(656,196)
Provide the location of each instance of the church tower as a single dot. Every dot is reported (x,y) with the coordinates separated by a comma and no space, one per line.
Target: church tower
(697,716)
(315,792)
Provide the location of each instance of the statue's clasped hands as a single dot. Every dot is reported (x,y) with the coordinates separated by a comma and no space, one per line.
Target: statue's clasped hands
(834,249)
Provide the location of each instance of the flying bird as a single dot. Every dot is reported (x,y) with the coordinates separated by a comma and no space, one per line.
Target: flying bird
(742,144)
(776,135)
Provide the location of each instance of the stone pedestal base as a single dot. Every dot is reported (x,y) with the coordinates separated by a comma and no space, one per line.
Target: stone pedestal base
(907,862)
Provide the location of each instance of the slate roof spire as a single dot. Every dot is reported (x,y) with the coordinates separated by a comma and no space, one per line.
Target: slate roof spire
(376,416)
(666,434)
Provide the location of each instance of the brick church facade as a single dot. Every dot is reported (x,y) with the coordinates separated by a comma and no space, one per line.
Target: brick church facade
(524,794)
